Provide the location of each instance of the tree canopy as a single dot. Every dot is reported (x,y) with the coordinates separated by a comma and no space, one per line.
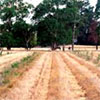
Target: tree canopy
(53,22)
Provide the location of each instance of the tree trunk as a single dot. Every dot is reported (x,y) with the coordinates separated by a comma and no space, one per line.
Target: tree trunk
(1,50)
(54,45)
(72,45)
(8,47)
(63,47)
(73,36)
(27,45)
(96,46)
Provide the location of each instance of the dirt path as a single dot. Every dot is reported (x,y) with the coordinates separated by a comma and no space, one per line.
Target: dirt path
(56,76)
(6,60)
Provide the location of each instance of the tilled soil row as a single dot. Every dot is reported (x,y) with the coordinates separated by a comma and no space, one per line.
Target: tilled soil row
(85,63)
(6,61)
(40,89)
(55,76)
(53,88)
(22,90)
(69,87)
(12,56)
(88,83)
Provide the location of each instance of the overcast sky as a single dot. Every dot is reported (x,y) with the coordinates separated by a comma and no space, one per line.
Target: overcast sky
(36,2)
(93,2)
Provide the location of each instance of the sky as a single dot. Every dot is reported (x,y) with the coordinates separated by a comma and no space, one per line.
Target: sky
(93,2)
(36,2)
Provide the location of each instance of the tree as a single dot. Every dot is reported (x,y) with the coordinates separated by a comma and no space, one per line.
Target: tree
(60,16)
(11,12)
(97,16)
(97,10)
(26,32)
(48,15)
(88,17)
(7,40)
(55,22)
(73,13)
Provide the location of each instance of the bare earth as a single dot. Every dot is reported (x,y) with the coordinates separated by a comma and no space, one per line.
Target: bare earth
(57,76)
(7,60)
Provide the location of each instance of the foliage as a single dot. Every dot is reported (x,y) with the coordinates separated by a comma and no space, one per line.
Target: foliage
(55,23)
(62,21)
(52,22)
(13,14)
(24,30)
(7,40)
(97,10)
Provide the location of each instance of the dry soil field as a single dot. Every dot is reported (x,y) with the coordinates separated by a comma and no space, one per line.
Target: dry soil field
(55,76)
(7,59)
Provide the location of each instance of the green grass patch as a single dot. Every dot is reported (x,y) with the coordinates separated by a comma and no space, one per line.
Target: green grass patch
(0,53)
(8,53)
(15,65)
(6,82)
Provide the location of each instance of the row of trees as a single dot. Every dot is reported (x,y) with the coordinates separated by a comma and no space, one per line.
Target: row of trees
(53,22)
(65,21)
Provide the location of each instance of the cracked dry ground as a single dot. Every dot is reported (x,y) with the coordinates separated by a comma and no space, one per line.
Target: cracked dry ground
(57,76)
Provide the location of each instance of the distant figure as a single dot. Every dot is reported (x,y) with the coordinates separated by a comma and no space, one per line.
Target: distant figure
(69,48)
(56,48)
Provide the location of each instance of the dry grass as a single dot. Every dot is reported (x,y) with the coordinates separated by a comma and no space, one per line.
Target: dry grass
(92,56)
